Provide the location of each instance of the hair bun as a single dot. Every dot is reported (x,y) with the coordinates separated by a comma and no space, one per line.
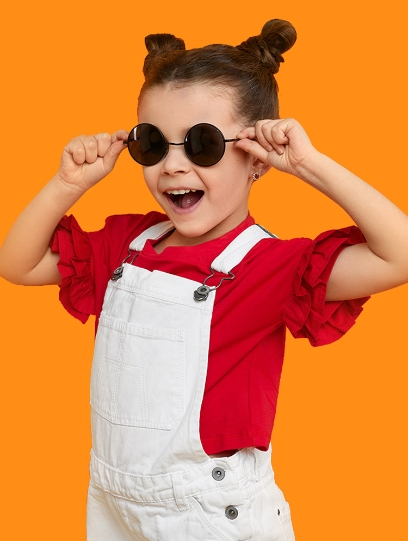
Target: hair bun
(277,37)
(160,46)
(162,43)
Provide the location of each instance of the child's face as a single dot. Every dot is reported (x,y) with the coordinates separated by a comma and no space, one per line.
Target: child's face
(220,200)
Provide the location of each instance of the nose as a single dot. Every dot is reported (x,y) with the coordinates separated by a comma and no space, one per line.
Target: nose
(176,161)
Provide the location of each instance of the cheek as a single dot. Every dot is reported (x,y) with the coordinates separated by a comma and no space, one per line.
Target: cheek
(234,162)
(235,177)
(149,179)
(240,163)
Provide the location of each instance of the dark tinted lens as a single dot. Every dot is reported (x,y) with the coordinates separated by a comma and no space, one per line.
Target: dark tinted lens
(204,145)
(146,144)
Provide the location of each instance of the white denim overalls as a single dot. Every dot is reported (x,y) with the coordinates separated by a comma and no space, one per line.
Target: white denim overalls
(150,477)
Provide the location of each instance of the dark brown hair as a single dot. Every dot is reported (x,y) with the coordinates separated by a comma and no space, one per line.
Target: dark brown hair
(248,69)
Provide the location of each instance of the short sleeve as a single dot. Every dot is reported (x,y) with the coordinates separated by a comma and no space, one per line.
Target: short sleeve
(77,293)
(307,314)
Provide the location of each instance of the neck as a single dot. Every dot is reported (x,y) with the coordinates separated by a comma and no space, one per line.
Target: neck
(175,238)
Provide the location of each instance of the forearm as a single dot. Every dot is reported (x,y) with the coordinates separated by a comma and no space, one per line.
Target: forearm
(359,270)
(24,256)
(384,225)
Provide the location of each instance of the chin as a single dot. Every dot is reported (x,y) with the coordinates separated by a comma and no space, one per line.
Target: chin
(193,230)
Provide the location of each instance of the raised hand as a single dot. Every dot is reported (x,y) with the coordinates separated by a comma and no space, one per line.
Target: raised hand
(88,159)
(281,143)
(25,257)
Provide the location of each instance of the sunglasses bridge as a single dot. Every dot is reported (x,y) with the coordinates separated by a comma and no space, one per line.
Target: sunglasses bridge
(183,143)
(167,143)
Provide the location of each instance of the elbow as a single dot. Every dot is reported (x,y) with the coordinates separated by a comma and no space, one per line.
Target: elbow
(20,272)
(9,271)
(11,276)
(401,277)
(5,271)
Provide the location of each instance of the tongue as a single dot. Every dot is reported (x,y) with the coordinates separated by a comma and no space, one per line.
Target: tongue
(189,199)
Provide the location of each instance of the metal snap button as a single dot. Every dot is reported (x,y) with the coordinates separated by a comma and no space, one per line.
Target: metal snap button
(201,293)
(218,474)
(231,512)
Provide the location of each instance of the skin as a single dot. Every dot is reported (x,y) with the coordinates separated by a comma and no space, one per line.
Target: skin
(226,185)
(360,270)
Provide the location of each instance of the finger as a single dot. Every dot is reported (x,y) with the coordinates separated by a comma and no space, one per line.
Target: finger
(276,133)
(255,133)
(247,133)
(279,133)
(263,134)
(90,145)
(103,143)
(114,151)
(269,139)
(76,150)
(120,135)
(253,148)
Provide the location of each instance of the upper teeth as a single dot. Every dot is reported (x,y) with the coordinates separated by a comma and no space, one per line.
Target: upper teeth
(179,192)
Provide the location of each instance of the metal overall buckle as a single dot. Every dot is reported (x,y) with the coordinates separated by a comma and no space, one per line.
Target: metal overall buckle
(202,292)
(117,273)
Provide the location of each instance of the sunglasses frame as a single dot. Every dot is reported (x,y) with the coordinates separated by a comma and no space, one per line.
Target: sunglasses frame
(168,143)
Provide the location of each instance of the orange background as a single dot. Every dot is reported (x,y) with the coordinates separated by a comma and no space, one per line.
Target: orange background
(75,67)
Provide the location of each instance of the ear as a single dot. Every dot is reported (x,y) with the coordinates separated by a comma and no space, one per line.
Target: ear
(260,167)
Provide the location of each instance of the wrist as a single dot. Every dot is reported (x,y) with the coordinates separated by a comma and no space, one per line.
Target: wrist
(63,188)
(59,195)
(311,167)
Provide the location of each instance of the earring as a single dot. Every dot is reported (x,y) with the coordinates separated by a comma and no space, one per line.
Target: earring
(256,176)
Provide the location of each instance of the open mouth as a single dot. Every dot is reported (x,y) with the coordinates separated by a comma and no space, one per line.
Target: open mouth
(185,199)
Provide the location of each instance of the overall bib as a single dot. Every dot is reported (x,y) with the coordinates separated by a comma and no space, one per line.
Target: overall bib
(151,479)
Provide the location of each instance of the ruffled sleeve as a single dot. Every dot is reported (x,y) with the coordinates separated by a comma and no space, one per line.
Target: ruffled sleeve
(307,314)
(77,288)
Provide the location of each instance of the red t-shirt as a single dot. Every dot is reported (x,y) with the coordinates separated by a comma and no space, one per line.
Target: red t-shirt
(279,284)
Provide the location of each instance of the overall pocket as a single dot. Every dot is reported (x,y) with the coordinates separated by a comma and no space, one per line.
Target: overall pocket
(138,375)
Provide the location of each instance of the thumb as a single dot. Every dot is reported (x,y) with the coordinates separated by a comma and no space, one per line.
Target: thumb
(253,148)
(116,148)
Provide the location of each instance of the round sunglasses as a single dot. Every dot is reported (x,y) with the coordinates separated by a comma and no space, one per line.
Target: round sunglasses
(204,144)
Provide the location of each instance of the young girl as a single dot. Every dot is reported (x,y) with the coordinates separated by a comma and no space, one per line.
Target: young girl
(192,305)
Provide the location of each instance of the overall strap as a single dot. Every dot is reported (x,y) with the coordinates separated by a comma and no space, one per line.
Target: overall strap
(154,232)
(235,252)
